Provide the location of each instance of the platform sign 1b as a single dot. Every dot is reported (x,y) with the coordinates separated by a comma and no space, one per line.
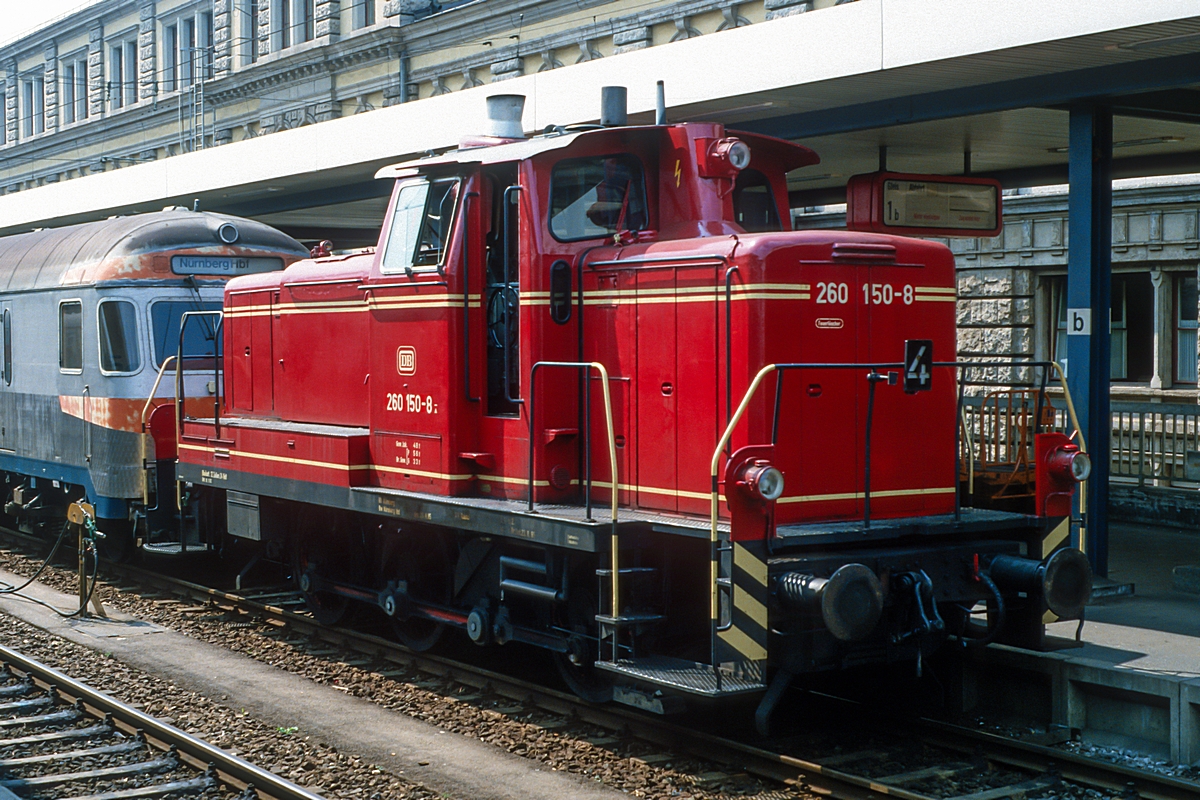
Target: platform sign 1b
(918,365)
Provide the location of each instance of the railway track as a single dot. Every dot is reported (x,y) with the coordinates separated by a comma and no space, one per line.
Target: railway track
(909,760)
(59,738)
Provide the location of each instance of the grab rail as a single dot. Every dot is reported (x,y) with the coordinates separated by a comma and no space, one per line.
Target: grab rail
(146,437)
(218,357)
(612,459)
(85,402)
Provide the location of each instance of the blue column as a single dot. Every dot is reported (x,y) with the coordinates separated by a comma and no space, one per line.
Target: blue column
(1089,284)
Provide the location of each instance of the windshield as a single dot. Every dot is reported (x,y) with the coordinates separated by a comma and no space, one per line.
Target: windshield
(200,345)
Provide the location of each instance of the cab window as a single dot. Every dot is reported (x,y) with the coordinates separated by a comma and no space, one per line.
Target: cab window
(201,340)
(421,226)
(594,197)
(754,203)
(118,337)
(70,336)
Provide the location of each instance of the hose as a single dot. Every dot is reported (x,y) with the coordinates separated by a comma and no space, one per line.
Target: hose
(993,630)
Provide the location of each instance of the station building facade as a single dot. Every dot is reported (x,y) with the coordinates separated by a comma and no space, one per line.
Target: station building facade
(126,81)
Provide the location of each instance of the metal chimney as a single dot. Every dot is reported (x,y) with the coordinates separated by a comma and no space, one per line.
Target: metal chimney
(660,104)
(614,106)
(504,116)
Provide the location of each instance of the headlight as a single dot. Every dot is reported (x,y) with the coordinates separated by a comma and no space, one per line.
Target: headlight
(765,481)
(739,155)
(1081,467)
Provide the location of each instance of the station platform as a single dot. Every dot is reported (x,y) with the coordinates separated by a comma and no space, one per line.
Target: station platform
(1133,681)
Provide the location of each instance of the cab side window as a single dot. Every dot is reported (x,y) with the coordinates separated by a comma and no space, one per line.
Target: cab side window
(119,350)
(595,197)
(421,225)
(754,203)
(70,335)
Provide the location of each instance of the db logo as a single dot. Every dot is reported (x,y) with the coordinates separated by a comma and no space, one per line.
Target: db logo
(406,360)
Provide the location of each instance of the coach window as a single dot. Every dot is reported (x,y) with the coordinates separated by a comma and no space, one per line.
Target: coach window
(201,341)
(70,336)
(6,329)
(119,352)
(421,226)
(594,197)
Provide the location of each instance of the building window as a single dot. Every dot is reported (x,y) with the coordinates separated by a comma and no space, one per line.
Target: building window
(1131,326)
(307,16)
(187,52)
(247,26)
(131,72)
(364,13)
(81,90)
(68,92)
(118,337)
(1185,328)
(114,90)
(33,108)
(70,336)
(281,20)
(170,57)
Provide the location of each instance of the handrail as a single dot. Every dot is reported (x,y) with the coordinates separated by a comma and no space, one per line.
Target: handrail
(612,461)
(146,410)
(466,306)
(150,400)
(217,359)
(85,402)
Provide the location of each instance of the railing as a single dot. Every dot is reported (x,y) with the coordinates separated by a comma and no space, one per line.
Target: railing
(1151,443)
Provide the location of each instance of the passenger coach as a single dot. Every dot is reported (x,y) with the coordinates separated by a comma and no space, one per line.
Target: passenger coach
(90,320)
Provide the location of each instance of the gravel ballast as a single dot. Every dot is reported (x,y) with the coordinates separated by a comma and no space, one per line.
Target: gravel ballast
(554,742)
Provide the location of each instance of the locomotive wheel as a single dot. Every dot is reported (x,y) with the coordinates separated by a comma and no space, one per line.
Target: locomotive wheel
(577,668)
(420,561)
(327,559)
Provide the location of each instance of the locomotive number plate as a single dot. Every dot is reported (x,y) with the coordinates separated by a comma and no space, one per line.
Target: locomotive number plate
(223,265)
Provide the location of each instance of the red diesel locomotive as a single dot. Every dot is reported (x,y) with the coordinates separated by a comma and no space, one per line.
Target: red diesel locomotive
(592,393)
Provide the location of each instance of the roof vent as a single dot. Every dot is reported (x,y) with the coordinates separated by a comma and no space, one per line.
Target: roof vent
(504,116)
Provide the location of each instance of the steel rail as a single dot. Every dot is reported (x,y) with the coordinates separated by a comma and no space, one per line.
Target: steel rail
(1104,775)
(198,753)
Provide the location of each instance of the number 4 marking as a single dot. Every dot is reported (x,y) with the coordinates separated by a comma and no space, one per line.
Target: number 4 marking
(916,370)
(918,360)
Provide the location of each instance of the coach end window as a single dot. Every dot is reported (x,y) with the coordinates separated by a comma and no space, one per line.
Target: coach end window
(118,338)
(70,336)
(594,197)
(421,226)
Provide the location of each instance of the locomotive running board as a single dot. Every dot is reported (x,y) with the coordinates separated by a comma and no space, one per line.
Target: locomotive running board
(554,525)
(683,676)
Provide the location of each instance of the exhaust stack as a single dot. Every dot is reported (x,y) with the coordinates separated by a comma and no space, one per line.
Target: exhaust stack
(614,106)
(660,104)
(504,116)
